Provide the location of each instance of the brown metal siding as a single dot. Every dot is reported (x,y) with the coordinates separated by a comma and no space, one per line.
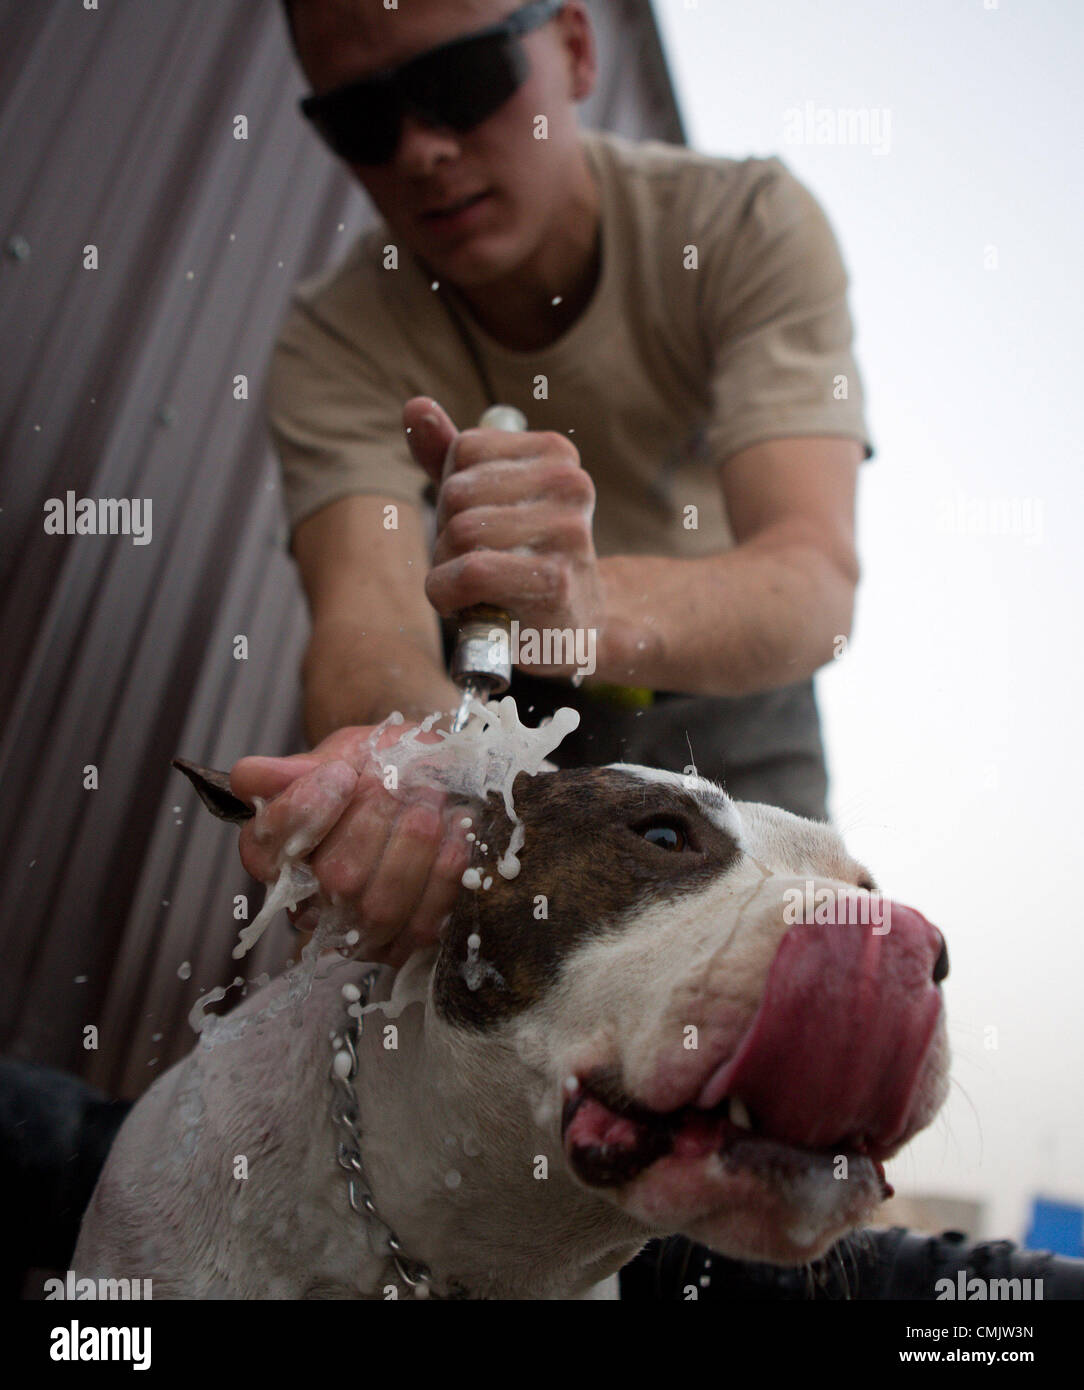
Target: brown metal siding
(117,130)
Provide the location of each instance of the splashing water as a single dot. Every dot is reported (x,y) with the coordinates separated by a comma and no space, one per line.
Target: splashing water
(329,934)
(295,883)
(486,756)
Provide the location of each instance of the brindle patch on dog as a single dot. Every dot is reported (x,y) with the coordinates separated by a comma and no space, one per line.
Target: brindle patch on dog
(586,853)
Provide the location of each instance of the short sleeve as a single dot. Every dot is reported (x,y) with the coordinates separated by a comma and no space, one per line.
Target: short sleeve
(335,418)
(774,309)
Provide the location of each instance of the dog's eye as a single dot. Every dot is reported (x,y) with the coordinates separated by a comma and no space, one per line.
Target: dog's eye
(667,834)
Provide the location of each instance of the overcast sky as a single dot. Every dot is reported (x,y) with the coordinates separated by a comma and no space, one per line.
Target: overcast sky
(954,721)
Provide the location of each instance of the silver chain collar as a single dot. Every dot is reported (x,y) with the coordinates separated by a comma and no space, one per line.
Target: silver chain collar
(344,1113)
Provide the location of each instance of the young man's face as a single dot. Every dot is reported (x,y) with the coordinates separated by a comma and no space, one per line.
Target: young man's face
(524,180)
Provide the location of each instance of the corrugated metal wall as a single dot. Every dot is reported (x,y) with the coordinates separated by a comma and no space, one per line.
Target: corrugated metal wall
(117,131)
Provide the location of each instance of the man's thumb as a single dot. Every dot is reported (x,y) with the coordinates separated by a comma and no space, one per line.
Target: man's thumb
(430,433)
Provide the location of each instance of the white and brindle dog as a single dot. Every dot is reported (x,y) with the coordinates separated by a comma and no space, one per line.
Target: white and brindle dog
(632,1038)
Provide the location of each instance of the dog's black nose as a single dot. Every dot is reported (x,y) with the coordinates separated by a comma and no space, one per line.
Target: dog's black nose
(940,967)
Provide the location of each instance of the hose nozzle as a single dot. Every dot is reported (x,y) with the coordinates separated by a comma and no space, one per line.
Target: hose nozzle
(481,666)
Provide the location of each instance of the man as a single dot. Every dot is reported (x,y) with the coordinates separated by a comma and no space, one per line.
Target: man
(674,328)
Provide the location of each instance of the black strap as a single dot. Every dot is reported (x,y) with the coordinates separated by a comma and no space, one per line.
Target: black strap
(445,297)
(470,345)
(430,493)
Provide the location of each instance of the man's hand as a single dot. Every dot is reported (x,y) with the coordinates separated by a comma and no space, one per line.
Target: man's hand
(513,524)
(394,862)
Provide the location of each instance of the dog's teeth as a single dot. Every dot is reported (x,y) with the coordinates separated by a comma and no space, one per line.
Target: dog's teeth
(739,1113)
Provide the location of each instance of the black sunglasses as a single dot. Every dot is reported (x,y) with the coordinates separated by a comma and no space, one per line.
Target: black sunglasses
(457,85)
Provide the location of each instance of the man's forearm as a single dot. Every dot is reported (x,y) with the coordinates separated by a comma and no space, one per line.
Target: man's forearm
(353,675)
(764,614)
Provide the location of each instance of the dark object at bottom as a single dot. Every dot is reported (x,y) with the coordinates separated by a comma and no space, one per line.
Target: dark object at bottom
(868,1265)
(55,1133)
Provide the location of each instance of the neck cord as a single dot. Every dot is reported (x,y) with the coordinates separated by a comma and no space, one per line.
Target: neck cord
(344,1113)
(444,295)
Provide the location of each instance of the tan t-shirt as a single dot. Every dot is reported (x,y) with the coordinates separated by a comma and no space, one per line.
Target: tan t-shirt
(719,320)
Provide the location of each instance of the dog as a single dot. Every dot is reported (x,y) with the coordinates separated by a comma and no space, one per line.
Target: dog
(641,1034)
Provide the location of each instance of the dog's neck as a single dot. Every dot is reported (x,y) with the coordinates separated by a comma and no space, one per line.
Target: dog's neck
(461,1168)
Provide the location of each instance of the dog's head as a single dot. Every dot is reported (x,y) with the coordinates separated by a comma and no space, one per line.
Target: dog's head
(724,1028)
(730,1028)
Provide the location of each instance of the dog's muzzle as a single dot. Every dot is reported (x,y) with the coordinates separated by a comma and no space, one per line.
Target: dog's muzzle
(833,1061)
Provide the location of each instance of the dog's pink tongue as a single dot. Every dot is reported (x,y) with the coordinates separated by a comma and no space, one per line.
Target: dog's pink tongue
(836,1048)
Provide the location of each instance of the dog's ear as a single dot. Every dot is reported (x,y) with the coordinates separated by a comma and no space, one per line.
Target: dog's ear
(214,791)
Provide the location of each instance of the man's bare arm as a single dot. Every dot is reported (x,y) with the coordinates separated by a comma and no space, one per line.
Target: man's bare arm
(375,643)
(515,530)
(763,614)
